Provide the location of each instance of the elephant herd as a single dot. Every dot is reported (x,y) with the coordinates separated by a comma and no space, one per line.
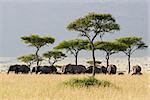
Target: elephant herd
(69,69)
(25,69)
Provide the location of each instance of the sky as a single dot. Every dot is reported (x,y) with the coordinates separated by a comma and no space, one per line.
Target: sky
(49,17)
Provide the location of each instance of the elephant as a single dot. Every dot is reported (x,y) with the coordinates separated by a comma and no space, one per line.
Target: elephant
(44,69)
(101,69)
(90,69)
(12,68)
(136,70)
(73,69)
(23,69)
(19,69)
(104,69)
(111,69)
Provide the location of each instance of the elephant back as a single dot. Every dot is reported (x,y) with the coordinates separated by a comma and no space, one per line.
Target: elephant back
(79,69)
(73,69)
(23,69)
(100,69)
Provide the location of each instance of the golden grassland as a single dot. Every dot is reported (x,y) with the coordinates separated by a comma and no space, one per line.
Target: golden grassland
(49,87)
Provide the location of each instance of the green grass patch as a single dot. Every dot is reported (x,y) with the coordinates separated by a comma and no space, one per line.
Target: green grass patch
(87,82)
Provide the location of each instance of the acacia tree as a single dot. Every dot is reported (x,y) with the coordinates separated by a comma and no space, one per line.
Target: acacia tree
(37,42)
(73,46)
(54,56)
(28,59)
(133,44)
(109,48)
(93,25)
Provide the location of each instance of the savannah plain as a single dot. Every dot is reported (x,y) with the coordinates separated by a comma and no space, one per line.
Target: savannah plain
(50,87)
(24,18)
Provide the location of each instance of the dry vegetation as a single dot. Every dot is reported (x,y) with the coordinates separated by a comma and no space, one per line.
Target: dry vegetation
(49,87)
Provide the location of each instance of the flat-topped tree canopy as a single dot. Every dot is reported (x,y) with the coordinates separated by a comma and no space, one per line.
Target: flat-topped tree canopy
(54,53)
(73,46)
(133,43)
(94,23)
(54,56)
(110,46)
(27,58)
(37,41)
(91,62)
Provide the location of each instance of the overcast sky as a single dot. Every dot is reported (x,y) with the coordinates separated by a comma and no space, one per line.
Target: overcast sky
(50,17)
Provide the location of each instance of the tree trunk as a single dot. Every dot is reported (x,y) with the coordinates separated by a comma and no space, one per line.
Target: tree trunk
(107,59)
(76,59)
(37,58)
(29,65)
(49,61)
(129,64)
(93,55)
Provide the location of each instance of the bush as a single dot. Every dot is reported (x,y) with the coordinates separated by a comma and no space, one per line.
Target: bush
(86,82)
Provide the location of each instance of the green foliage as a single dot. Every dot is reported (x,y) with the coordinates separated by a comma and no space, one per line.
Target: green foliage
(133,44)
(73,46)
(94,23)
(70,45)
(110,47)
(37,41)
(28,59)
(54,56)
(87,82)
(91,62)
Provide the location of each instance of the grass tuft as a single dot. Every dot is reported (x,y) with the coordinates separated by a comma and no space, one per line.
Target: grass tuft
(87,82)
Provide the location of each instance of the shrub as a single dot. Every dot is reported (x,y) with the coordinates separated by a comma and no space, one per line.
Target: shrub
(86,82)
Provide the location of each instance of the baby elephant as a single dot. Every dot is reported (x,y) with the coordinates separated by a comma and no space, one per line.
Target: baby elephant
(136,70)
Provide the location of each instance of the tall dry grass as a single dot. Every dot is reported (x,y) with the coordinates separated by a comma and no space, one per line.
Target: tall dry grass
(49,87)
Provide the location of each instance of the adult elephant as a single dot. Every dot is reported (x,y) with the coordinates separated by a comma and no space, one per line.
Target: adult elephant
(111,69)
(13,68)
(136,70)
(90,69)
(73,69)
(23,69)
(101,69)
(45,69)
(19,69)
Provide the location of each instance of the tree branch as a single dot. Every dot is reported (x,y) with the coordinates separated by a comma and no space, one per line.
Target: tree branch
(134,50)
(94,37)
